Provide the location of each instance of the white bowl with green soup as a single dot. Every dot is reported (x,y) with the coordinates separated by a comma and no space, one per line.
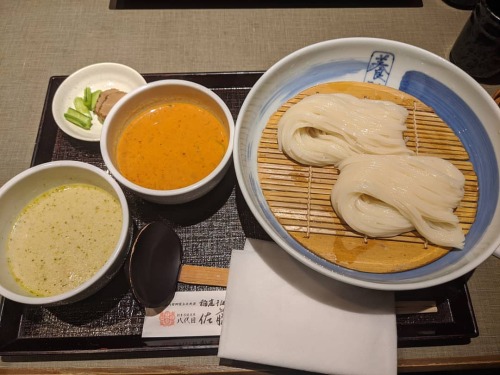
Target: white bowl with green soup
(64,233)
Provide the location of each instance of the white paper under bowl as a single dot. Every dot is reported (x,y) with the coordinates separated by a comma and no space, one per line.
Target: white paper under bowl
(29,184)
(102,76)
(456,98)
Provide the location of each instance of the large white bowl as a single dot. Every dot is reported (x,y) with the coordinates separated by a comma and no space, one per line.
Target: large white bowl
(164,91)
(456,98)
(29,184)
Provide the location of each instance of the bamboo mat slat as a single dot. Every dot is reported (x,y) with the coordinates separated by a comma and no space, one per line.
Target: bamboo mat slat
(299,195)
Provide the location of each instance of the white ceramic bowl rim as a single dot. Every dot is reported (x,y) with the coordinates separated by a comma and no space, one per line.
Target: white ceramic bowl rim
(104,269)
(250,186)
(174,192)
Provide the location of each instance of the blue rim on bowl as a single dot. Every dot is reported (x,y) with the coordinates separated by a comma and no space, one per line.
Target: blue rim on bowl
(459,100)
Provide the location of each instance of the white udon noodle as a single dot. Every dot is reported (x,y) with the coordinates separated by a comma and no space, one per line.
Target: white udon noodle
(383,196)
(323,129)
(383,190)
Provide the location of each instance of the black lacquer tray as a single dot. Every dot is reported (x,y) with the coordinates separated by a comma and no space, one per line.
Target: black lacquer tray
(109,324)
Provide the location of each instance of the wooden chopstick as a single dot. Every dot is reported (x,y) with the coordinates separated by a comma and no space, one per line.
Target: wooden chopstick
(214,276)
(201,275)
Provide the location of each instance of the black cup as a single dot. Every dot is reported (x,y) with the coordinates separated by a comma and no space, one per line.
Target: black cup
(477,48)
(462,4)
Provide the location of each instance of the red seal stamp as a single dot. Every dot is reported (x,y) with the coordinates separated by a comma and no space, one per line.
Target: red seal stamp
(167,318)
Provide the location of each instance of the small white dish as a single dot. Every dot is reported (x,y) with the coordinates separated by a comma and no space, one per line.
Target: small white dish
(102,76)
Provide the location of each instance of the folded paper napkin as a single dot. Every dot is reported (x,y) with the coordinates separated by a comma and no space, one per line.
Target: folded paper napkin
(280,313)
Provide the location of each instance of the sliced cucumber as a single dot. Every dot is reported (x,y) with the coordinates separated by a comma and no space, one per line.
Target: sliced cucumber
(78,118)
(87,97)
(81,115)
(95,97)
(80,106)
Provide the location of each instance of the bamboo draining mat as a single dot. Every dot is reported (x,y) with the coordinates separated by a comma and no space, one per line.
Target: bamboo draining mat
(299,195)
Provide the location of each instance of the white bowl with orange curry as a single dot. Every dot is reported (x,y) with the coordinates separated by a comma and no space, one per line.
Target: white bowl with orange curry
(169,141)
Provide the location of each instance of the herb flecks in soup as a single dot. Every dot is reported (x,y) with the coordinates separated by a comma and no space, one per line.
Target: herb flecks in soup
(63,237)
(171,145)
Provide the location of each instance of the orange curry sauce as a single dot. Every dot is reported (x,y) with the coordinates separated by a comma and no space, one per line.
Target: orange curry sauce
(171,146)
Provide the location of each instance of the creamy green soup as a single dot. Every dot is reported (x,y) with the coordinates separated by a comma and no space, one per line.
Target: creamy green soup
(63,237)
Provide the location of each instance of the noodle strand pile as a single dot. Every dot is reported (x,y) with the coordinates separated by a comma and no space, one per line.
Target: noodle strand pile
(383,189)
